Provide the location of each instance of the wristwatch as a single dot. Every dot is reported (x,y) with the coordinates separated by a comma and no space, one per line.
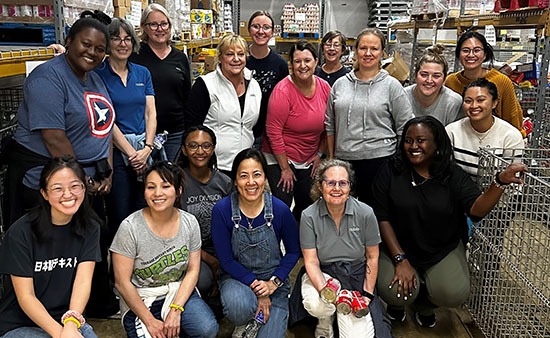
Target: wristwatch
(399,258)
(277,281)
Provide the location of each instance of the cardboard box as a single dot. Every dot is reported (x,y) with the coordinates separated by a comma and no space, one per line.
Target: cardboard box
(201,31)
(121,11)
(210,63)
(243,28)
(398,68)
(201,4)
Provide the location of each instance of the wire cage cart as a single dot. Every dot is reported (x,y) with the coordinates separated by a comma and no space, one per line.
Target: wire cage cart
(509,254)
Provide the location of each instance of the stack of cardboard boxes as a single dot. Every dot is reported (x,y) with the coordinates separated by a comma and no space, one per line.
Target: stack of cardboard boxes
(302,20)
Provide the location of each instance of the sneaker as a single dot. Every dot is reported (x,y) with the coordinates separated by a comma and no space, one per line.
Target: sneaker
(396,314)
(425,321)
(324,328)
(239,331)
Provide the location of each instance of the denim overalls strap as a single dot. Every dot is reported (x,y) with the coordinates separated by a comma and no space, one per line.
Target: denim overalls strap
(257,248)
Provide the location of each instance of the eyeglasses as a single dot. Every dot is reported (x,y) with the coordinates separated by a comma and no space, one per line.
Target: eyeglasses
(75,189)
(118,40)
(332,45)
(332,183)
(155,25)
(257,27)
(467,51)
(206,146)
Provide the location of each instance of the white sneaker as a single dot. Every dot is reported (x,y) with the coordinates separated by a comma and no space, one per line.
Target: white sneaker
(324,328)
(239,331)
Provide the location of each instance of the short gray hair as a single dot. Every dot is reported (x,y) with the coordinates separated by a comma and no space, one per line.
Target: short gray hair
(315,191)
(114,30)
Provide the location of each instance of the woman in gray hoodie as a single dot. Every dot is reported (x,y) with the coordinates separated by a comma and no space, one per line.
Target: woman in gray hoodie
(366,112)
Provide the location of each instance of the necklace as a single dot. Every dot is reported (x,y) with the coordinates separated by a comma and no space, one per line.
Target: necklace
(413,182)
(483,134)
(249,221)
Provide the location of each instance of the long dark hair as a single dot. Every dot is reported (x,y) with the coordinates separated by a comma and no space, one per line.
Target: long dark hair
(487,48)
(171,173)
(443,157)
(41,217)
(183,161)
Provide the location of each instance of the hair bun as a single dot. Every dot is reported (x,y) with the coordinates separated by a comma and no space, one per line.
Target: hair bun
(98,15)
(436,49)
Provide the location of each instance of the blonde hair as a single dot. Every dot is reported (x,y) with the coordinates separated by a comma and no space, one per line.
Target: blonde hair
(230,40)
(154,7)
(433,54)
(369,31)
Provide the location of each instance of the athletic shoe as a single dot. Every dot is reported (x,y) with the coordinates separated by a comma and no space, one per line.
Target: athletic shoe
(397,314)
(425,321)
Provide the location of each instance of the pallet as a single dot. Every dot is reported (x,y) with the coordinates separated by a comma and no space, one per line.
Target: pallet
(289,35)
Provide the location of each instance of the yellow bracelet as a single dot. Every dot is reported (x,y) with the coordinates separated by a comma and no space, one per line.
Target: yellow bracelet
(177,307)
(72,319)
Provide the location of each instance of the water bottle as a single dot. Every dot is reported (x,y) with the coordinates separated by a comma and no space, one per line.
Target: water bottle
(253,326)
(160,139)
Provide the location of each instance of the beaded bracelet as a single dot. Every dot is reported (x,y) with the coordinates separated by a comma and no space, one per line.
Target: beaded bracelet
(177,307)
(73,316)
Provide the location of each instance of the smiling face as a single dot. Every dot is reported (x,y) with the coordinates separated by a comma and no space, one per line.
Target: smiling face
(159,35)
(332,50)
(199,157)
(303,64)
(250,180)
(261,30)
(233,61)
(430,79)
(336,195)
(472,54)
(478,105)
(419,145)
(86,51)
(160,195)
(65,193)
(121,45)
(369,52)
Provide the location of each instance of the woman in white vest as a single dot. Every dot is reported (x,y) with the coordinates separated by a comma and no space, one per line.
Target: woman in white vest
(227,101)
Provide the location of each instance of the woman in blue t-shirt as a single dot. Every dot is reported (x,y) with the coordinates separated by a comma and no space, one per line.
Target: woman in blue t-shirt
(49,255)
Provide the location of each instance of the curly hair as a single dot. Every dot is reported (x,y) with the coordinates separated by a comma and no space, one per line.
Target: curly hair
(315,191)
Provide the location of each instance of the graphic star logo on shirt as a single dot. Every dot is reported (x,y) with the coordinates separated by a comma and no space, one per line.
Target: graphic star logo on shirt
(101,114)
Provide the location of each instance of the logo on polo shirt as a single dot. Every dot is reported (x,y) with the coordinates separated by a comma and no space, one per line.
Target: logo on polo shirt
(101,114)
(354,229)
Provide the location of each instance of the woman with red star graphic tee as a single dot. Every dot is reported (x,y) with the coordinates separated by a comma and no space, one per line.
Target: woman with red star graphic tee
(49,255)
(66,110)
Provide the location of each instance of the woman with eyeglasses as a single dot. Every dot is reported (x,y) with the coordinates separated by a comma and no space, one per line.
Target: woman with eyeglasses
(268,67)
(170,72)
(339,239)
(472,49)
(227,101)
(422,198)
(131,90)
(156,257)
(333,46)
(204,186)
(366,112)
(49,255)
(428,95)
(248,227)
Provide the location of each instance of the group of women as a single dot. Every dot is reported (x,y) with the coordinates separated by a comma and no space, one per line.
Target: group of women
(227,241)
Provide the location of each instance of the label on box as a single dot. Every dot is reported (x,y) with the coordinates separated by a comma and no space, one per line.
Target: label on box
(300,16)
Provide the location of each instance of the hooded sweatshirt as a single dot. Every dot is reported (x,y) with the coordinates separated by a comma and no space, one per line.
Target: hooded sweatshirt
(366,117)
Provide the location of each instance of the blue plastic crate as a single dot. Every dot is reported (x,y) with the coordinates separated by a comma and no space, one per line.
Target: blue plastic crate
(26,34)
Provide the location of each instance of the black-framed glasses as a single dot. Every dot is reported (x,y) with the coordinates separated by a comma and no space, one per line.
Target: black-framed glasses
(206,146)
(118,40)
(334,45)
(333,183)
(58,191)
(155,25)
(467,51)
(257,27)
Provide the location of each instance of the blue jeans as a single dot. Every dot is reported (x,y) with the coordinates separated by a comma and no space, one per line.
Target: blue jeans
(240,305)
(196,321)
(35,332)
(172,146)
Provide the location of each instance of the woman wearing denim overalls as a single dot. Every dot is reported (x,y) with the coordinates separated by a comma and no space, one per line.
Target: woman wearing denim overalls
(247,227)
